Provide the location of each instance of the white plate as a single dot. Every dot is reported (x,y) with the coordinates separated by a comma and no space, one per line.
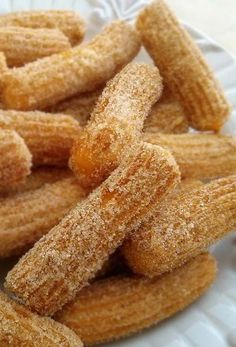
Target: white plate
(211,321)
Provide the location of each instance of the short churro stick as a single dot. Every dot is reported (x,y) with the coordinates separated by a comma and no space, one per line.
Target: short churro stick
(183,228)
(15,160)
(183,67)
(47,81)
(68,22)
(119,306)
(62,262)
(48,136)
(166,117)
(80,106)
(26,217)
(38,178)
(201,156)
(115,123)
(21,328)
(23,45)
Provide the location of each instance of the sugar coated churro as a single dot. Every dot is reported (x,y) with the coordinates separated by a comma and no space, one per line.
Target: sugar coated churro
(15,160)
(115,123)
(48,136)
(23,45)
(166,117)
(81,69)
(201,156)
(183,228)
(68,22)
(21,328)
(125,305)
(183,67)
(26,217)
(62,262)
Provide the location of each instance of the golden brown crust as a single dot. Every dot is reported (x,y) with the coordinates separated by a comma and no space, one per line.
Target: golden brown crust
(49,137)
(200,156)
(21,328)
(64,260)
(183,67)
(116,122)
(183,227)
(119,306)
(68,22)
(26,217)
(84,68)
(15,160)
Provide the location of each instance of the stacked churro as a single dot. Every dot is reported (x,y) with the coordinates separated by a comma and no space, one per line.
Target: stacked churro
(101,179)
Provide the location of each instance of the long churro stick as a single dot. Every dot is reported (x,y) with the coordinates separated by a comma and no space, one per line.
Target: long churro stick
(68,22)
(15,160)
(21,328)
(62,262)
(119,306)
(183,228)
(82,68)
(115,123)
(23,45)
(48,136)
(26,217)
(200,156)
(183,67)
(166,117)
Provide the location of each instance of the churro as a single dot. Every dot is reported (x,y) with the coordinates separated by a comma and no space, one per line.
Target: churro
(21,328)
(68,22)
(26,217)
(79,106)
(166,117)
(15,160)
(70,255)
(183,67)
(183,228)
(125,305)
(23,45)
(84,68)
(201,156)
(48,136)
(116,122)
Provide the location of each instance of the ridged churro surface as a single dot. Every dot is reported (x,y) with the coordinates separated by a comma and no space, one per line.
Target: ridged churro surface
(26,217)
(183,67)
(166,117)
(201,156)
(21,328)
(119,306)
(48,136)
(24,45)
(68,22)
(182,228)
(62,262)
(15,160)
(81,69)
(116,122)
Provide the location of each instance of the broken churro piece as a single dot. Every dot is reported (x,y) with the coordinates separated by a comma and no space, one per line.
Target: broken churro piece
(201,156)
(125,305)
(21,328)
(183,67)
(183,228)
(49,80)
(48,136)
(15,160)
(63,261)
(26,217)
(68,22)
(116,123)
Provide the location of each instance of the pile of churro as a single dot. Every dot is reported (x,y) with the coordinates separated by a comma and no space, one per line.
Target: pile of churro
(114,177)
